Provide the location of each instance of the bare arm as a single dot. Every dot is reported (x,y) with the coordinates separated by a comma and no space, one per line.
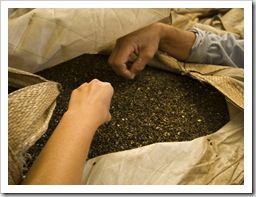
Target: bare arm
(63,158)
(176,42)
(145,43)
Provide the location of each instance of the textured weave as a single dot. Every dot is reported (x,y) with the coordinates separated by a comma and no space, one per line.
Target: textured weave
(216,20)
(29,111)
(228,80)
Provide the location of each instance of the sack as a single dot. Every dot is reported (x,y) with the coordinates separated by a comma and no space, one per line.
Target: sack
(228,80)
(215,159)
(216,20)
(29,111)
(190,162)
(42,38)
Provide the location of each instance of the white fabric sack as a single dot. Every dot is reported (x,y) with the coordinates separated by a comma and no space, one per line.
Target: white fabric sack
(42,38)
(213,159)
(217,158)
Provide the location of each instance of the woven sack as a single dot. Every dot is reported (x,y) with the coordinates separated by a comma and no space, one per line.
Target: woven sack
(228,80)
(29,111)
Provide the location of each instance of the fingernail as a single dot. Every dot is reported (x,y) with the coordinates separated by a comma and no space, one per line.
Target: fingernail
(132,76)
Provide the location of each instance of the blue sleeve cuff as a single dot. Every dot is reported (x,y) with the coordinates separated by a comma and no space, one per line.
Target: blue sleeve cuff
(210,48)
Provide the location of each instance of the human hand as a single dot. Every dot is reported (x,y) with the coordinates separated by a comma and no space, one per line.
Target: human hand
(64,154)
(143,43)
(91,101)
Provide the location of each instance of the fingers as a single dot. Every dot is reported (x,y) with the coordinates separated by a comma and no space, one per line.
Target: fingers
(141,61)
(106,86)
(93,98)
(95,83)
(105,92)
(143,43)
(125,48)
(118,62)
(108,118)
(118,59)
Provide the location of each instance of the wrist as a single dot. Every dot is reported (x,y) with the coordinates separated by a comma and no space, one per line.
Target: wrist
(176,42)
(164,30)
(83,124)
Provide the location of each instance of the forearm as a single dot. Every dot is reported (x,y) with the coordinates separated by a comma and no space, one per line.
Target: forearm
(63,158)
(176,42)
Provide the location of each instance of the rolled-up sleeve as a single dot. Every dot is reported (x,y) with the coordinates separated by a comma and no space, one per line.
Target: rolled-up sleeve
(210,48)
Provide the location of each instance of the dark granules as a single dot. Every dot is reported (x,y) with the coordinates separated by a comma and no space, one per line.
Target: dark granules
(157,106)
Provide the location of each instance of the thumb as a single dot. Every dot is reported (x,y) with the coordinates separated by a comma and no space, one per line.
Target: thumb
(140,62)
(108,117)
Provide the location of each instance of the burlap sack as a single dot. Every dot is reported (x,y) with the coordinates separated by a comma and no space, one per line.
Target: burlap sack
(29,111)
(228,80)
(216,20)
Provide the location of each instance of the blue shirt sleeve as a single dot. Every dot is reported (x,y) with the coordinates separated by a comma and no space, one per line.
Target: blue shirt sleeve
(210,48)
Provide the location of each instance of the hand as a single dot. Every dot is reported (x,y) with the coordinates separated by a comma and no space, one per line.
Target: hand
(91,100)
(143,43)
(64,155)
